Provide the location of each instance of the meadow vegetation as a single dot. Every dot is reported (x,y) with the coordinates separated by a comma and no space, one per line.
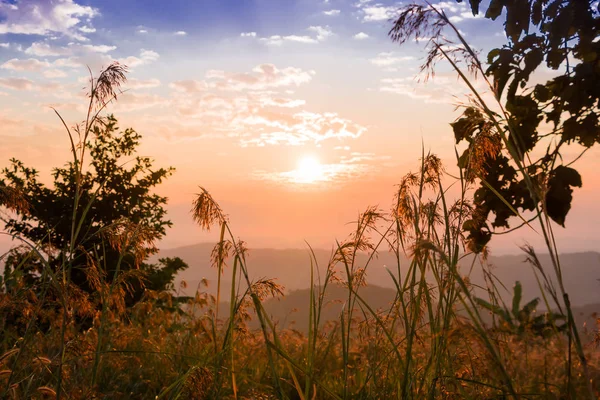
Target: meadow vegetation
(83,315)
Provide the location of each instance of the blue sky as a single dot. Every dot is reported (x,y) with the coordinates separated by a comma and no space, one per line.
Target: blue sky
(238,95)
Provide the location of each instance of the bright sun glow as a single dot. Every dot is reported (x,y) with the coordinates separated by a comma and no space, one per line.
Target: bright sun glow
(309,170)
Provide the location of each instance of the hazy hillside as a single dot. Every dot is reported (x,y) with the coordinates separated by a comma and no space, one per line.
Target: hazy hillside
(292,311)
(291,267)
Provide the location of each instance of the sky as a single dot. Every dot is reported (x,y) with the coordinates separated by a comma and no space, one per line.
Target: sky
(296,115)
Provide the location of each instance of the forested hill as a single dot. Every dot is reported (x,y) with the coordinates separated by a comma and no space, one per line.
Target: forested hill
(291,267)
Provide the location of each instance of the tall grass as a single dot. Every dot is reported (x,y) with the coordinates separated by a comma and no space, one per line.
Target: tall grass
(435,340)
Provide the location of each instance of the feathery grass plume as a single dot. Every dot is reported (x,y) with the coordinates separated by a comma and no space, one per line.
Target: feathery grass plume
(47,392)
(108,84)
(432,170)
(206,211)
(95,277)
(220,253)
(13,199)
(417,21)
(426,23)
(197,384)
(241,248)
(360,239)
(126,236)
(6,356)
(41,362)
(403,209)
(485,143)
(265,288)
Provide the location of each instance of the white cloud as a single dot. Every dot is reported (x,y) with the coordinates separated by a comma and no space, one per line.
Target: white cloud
(131,101)
(5,45)
(142,31)
(146,57)
(70,62)
(55,73)
(332,13)
(464,15)
(181,33)
(45,49)
(299,128)
(266,101)
(99,48)
(30,64)
(389,59)
(256,108)
(134,83)
(189,86)
(361,36)
(16,83)
(277,40)
(444,88)
(27,84)
(87,29)
(262,77)
(43,17)
(378,12)
(321,32)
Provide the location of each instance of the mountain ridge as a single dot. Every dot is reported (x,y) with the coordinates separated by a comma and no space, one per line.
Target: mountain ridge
(291,268)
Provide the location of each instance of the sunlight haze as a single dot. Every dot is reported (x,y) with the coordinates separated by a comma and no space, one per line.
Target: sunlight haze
(273,106)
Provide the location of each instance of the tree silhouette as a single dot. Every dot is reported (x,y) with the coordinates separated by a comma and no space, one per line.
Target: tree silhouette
(105,216)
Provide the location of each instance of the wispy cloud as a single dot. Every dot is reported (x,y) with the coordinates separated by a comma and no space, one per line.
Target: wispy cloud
(300,128)
(55,73)
(377,12)
(145,57)
(389,59)
(28,85)
(16,83)
(30,64)
(43,17)
(331,13)
(133,83)
(262,77)
(319,34)
(255,107)
(46,49)
(443,88)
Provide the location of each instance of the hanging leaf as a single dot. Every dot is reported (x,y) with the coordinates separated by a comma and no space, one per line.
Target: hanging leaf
(560,194)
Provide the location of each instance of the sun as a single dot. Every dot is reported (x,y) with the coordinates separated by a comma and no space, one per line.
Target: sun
(309,170)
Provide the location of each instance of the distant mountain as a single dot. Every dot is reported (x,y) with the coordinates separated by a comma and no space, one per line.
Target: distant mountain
(292,267)
(292,311)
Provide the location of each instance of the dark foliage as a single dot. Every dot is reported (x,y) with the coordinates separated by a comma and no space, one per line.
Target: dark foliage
(561,35)
(116,222)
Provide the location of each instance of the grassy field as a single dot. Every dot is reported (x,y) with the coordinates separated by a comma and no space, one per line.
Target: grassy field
(434,340)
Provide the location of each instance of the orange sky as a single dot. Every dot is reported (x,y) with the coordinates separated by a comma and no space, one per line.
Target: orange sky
(237,108)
